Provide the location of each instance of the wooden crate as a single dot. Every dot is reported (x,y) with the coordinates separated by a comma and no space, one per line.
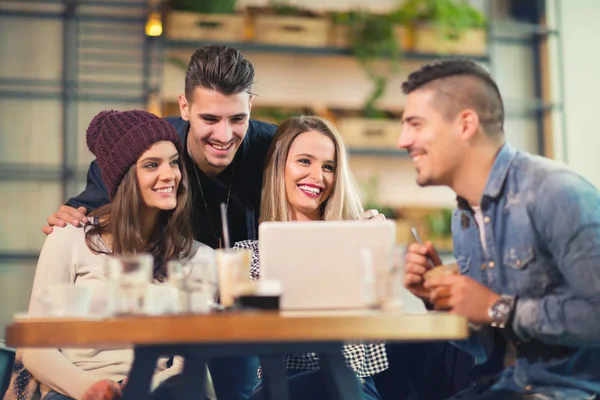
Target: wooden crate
(370,133)
(403,234)
(213,27)
(404,37)
(426,39)
(291,31)
(417,217)
(339,36)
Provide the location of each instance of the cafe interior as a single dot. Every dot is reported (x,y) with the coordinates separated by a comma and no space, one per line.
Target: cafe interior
(64,61)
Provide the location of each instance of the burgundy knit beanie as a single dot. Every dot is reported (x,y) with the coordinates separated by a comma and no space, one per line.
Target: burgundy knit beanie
(119,138)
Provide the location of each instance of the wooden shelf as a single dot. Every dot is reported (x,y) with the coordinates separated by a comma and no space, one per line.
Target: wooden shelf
(301,50)
(377,152)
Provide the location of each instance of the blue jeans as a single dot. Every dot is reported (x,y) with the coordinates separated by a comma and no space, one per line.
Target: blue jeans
(233,378)
(413,368)
(311,385)
(55,396)
(491,395)
(487,392)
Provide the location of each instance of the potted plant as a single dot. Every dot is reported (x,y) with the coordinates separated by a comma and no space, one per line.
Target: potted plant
(439,224)
(282,23)
(442,26)
(207,20)
(371,195)
(205,6)
(372,40)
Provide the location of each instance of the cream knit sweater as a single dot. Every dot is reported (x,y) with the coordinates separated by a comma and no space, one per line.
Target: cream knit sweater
(65,258)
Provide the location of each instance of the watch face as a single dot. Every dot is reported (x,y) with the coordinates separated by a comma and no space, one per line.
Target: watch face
(503,307)
(500,311)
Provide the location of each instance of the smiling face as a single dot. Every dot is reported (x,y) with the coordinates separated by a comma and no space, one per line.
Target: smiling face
(309,174)
(218,125)
(158,176)
(432,141)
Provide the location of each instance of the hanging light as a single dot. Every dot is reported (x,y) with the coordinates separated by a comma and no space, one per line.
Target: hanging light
(154,24)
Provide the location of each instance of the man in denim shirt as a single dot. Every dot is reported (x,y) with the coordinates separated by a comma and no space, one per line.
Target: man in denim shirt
(526,238)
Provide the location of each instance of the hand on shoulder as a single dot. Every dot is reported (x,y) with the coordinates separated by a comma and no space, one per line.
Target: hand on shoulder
(66,215)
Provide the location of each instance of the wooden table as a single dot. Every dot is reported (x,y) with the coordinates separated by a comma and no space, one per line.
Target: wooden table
(265,334)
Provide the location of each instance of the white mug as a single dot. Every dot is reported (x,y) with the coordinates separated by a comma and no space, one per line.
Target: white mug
(67,300)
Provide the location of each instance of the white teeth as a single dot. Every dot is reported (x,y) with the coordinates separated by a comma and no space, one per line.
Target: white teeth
(310,189)
(416,158)
(220,147)
(166,190)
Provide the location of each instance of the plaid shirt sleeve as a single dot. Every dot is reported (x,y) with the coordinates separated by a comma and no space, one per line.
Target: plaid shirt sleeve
(255,261)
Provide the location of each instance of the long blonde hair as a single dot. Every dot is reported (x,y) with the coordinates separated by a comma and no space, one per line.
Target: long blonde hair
(343,203)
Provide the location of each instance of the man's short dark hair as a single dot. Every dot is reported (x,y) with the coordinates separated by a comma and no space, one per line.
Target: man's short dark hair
(460,84)
(220,68)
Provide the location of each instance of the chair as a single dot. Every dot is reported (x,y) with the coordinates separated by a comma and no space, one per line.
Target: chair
(7,357)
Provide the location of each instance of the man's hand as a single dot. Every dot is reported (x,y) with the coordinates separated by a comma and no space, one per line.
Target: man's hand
(416,264)
(66,214)
(103,390)
(463,296)
(371,215)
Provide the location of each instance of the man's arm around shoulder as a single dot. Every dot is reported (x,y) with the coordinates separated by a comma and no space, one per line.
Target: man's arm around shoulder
(73,212)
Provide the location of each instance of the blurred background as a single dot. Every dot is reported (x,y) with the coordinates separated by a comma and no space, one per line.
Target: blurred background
(61,62)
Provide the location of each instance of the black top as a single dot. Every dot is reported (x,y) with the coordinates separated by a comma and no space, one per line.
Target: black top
(244,174)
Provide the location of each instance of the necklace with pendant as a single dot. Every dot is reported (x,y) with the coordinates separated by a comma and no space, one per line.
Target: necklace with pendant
(212,231)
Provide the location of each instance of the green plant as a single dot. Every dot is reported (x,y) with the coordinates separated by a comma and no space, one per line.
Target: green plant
(205,6)
(451,17)
(372,41)
(371,194)
(284,7)
(440,223)
(278,114)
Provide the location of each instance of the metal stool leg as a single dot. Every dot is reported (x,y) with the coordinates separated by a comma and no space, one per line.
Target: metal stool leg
(140,375)
(342,383)
(275,378)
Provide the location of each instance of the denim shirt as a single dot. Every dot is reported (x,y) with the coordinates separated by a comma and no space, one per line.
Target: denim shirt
(542,236)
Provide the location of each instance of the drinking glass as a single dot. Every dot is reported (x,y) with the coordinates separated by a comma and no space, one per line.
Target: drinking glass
(392,282)
(67,300)
(233,268)
(129,279)
(196,282)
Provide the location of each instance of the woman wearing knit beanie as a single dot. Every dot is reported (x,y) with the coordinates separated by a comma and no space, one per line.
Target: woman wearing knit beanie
(149,212)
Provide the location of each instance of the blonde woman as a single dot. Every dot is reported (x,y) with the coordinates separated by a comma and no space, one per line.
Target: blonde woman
(307,178)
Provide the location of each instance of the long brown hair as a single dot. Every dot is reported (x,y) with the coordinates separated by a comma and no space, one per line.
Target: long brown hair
(344,201)
(172,236)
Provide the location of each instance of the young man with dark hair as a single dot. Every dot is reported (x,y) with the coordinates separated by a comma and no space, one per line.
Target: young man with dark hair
(526,238)
(224,149)
(224,155)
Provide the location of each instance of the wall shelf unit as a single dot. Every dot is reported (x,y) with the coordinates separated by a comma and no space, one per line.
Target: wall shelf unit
(301,50)
(391,153)
(106,59)
(105,39)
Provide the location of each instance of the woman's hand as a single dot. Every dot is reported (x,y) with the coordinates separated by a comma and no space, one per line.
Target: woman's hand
(103,390)
(371,215)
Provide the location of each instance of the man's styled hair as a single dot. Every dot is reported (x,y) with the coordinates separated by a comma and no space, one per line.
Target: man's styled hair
(343,202)
(461,84)
(219,68)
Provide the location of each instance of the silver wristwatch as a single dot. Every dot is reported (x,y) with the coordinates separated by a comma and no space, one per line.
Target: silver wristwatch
(500,311)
